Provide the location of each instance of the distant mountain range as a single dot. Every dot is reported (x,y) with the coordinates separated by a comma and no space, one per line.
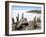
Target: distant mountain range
(34,11)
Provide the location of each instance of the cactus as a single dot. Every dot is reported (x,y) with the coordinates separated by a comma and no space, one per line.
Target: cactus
(13,20)
(38,19)
(34,22)
(22,15)
(17,17)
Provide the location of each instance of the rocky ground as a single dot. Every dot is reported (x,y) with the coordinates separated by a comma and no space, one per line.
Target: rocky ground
(24,25)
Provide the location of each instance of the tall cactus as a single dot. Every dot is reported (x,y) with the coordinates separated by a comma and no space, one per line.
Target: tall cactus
(17,17)
(13,20)
(38,19)
(22,15)
(34,25)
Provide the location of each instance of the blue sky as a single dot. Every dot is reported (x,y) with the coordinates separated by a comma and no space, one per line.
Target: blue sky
(14,7)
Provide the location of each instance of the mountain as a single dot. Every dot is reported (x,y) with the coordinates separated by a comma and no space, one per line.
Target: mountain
(34,11)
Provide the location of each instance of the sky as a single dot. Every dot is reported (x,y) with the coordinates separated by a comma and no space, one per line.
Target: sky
(25,8)
(22,9)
